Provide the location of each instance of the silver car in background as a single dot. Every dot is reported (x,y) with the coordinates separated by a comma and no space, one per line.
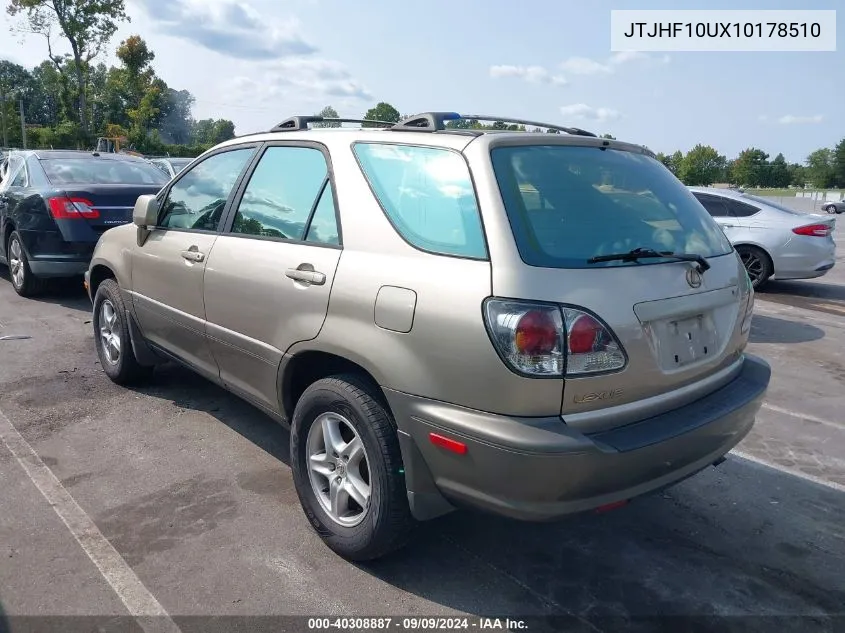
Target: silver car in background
(773,241)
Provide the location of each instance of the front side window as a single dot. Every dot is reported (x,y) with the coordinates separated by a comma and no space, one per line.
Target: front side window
(567,204)
(281,193)
(196,201)
(427,194)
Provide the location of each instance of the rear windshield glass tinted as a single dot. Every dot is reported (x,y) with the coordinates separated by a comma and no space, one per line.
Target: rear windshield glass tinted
(93,171)
(772,203)
(567,204)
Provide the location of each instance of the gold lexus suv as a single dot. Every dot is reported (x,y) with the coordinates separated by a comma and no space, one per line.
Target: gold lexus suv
(529,323)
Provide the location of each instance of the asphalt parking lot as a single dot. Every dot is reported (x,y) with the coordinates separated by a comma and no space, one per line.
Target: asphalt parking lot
(176,501)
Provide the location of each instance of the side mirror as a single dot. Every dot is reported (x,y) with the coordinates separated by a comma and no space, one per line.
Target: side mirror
(145,213)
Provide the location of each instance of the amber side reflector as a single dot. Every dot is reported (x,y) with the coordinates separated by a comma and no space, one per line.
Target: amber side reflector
(449,444)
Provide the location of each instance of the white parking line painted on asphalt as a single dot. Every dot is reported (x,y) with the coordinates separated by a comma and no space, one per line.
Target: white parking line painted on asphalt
(789,471)
(140,603)
(802,416)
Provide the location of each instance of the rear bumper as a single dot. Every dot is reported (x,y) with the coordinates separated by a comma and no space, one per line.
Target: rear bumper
(804,258)
(55,266)
(540,469)
(50,256)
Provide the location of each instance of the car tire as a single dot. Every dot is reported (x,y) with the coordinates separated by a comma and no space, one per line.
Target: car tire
(385,523)
(25,283)
(757,264)
(831,209)
(112,338)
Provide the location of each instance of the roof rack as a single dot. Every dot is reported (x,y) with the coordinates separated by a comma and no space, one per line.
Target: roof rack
(436,122)
(300,123)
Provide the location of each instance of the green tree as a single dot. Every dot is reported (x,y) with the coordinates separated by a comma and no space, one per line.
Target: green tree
(176,121)
(608,136)
(839,164)
(820,171)
(701,166)
(748,168)
(797,174)
(328,113)
(213,131)
(778,172)
(383,111)
(55,102)
(15,83)
(87,25)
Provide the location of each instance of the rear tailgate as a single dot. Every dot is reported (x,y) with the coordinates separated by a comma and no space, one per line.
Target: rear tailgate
(681,330)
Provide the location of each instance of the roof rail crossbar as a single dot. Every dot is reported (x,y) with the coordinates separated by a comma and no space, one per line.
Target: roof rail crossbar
(300,123)
(436,121)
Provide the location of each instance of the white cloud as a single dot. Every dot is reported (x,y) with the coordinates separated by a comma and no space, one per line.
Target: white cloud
(789,119)
(533,74)
(229,27)
(626,56)
(314,77)
(581,111)
(585,66)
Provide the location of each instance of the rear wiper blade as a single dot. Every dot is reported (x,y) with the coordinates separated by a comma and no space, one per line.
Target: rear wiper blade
(650,253)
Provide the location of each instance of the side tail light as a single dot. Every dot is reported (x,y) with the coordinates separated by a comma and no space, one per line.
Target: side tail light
(814,230)
(66,208)
(541,339)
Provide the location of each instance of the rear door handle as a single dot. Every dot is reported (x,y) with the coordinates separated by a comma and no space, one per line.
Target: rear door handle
(306,276)
(193,256)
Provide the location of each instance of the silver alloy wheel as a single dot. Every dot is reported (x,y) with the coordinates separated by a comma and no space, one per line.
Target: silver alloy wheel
(754,265)
(16,263)
(109,332)
(338,469)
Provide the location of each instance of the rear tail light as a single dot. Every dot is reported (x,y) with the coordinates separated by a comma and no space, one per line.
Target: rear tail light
(540,339)
(591,346)
(814,230)
(66,208)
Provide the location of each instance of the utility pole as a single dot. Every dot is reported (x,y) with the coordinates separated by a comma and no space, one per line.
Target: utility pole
(3,110)
(23,127)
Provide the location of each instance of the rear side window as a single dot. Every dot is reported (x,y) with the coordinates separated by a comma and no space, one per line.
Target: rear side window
(427,194)
(93,171)
(567,204)
(714,205)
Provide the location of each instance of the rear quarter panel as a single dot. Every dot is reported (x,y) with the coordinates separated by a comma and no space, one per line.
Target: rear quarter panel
(447,354)
(114,253)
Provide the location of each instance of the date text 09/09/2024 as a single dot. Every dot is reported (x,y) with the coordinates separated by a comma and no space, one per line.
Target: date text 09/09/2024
(415,624)
(724,29)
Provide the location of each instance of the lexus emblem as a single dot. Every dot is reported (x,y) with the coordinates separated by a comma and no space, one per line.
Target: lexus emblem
(693,278)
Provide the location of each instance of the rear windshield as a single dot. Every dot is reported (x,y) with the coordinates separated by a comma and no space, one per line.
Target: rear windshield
(92,171)
(567,204)
(771,202)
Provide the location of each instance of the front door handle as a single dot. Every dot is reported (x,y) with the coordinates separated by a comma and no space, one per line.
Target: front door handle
(306,276)
(193,256)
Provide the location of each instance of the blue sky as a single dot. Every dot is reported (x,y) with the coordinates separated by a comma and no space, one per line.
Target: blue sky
(258,61)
